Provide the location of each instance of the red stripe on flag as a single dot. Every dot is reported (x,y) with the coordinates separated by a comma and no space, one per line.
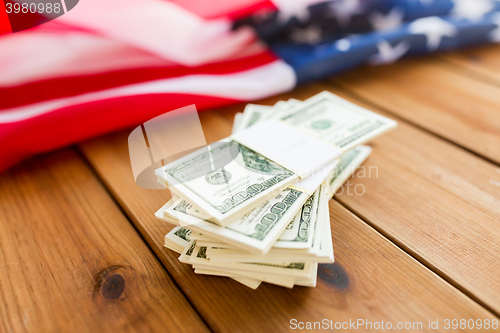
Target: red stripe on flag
(265,6)
(233,9)
(39,91)
(5,26)
(81,122)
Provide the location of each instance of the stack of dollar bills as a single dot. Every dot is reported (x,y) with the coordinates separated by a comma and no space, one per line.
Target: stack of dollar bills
(243,209)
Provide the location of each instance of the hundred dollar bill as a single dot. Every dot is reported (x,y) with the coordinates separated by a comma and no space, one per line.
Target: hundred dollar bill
(187,252)
(326,241)
(223,191)
(319,232)
(311,282)
(336,120)
(256,231)
(346,167)
(254,113)
(216,254)
(300,231)
(249,282)
(238,117)
(177,239)
(320,222)
(296,270)
(282,281)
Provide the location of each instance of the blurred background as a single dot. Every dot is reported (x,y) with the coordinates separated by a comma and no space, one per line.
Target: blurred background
(100,66)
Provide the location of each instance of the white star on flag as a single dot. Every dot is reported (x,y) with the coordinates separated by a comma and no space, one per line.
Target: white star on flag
(293,9)
(343,44)
(344,10)
(434,28)
(391,20)
(286,13)
(473,10)
(387,53)
(494,34)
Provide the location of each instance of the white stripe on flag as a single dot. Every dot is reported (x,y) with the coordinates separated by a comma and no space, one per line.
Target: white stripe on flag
(162,28)
(267,80)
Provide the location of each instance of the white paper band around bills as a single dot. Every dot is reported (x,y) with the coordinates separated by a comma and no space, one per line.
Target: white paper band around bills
(288,146)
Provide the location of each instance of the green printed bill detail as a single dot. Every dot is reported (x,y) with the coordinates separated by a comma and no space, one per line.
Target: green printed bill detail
(336,121)
(319,243)
(256,231)
(296,270)
(256,113)
(226,180)
(187,252)
(177,239)
(299,233)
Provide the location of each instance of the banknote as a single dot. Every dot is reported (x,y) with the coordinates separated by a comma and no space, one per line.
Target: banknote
(300,231)
(256,231)
(321,220)
(346,167)
(336,120)
(177,239)
(324,216)
(228,192)
(237,122)
(297,270)
(282,281)
(307,185)
(311,282)
(250,283)
(319,130)
(247,281)
(255,215)
(321,238)
(187,252)
(255,113)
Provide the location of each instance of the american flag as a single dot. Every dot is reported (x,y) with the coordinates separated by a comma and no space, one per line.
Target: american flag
(108,65)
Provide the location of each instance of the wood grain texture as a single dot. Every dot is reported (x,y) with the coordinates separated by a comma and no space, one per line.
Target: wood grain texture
(436,96)
(437,201)
(372,278)
(72,262)
(483,61)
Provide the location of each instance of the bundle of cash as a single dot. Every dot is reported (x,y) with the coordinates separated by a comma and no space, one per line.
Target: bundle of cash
(254,206)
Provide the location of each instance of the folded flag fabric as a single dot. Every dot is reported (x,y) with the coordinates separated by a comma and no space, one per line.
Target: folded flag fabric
(103,67)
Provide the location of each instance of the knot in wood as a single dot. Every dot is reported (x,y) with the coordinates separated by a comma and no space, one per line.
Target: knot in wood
(334,275)
(112,287)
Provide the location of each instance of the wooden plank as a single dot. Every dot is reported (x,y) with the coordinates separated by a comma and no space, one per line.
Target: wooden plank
(483,61)
(72,262)
(372,278)
(432,94)
(438,202)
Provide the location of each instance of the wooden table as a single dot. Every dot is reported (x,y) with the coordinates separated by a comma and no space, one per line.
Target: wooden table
(80,249)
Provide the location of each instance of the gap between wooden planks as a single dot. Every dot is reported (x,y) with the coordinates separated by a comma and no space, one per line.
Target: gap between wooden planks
(71,262)
(435,200)
(371,279)
(440,203)
(438,96)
